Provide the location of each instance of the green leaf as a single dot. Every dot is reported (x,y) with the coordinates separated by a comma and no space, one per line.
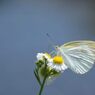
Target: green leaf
(39,63)
(54,72)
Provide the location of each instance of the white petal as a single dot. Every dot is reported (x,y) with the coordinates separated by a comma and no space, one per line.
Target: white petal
(40,56)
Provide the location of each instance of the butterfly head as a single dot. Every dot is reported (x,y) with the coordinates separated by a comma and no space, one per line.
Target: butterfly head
(56,47)
(58,50)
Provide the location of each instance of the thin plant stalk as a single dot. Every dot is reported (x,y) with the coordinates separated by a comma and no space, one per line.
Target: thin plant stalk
(42,86)
(44,80)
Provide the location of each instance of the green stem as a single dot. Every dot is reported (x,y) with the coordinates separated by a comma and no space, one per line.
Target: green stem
(42,86)
(44,80)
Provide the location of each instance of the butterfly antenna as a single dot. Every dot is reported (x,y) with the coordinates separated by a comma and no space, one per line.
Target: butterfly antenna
(50,40)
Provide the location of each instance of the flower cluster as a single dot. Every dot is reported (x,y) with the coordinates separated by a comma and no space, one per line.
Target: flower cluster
(48,68)
(56,62)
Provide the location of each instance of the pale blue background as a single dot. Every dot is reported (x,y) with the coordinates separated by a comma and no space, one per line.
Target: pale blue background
(23,25)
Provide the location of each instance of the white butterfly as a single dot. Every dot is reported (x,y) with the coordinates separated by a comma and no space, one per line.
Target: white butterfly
(79,56)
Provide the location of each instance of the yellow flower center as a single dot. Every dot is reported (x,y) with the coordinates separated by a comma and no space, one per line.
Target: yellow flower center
(58,60)
(49,56)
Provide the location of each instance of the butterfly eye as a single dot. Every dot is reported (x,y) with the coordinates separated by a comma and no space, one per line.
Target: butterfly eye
(56,47)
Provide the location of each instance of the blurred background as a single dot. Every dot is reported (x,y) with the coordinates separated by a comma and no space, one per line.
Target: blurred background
(23,28)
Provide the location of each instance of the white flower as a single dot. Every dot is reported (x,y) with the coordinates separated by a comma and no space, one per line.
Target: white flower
(41,55)
(57,67)
(57,63)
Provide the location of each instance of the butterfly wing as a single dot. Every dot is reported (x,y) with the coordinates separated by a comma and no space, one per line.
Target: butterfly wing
(79,56)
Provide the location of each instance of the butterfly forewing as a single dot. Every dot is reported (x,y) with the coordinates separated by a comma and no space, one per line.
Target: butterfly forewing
(79,56)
